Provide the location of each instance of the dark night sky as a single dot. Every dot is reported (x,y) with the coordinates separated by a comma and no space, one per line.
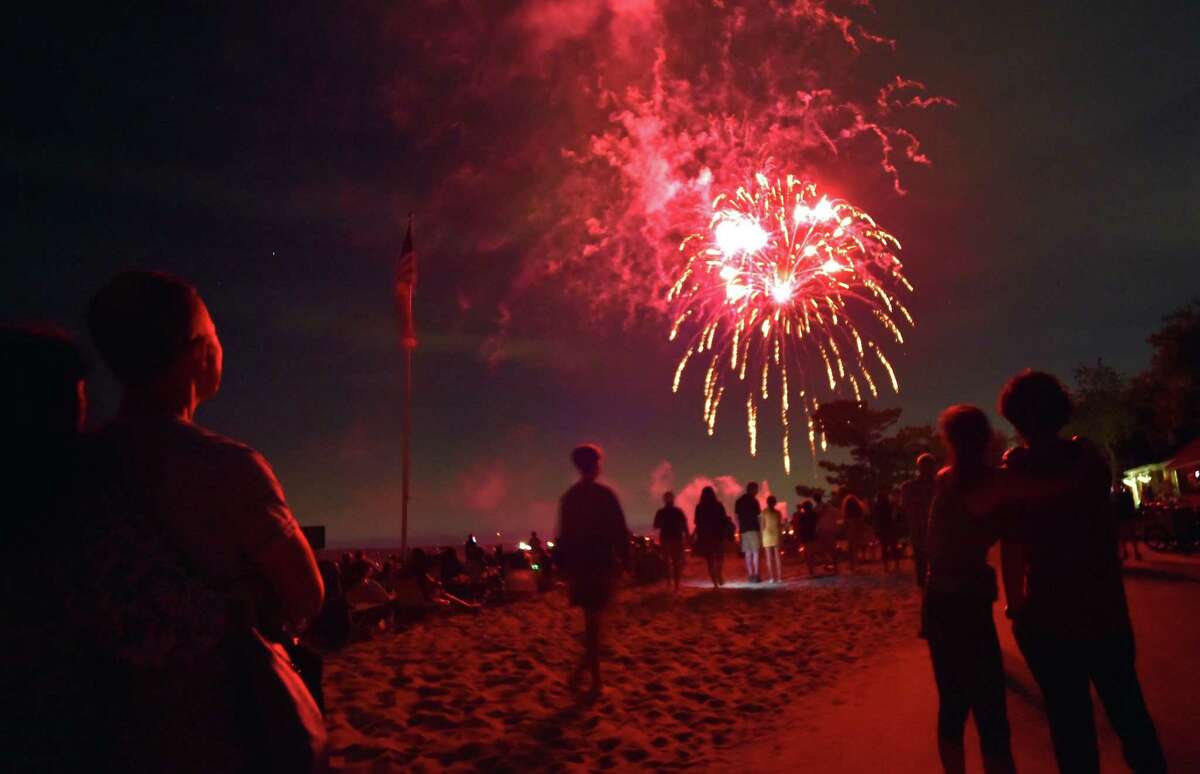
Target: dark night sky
(257,153)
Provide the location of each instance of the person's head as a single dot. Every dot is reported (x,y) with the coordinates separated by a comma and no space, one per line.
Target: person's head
(42,393)
(708,495)
(155,333)
(586,458)
(1036,404)
(771,501)
(668,499)
(967,434)
(752,488)
(852,507)
(818,497)
(926,465)
(805,506)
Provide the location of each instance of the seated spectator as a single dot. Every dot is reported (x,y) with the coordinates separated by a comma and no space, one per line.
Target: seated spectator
(218,504)
(367,591)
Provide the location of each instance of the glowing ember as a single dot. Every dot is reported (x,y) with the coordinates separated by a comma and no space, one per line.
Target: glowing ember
(776,282)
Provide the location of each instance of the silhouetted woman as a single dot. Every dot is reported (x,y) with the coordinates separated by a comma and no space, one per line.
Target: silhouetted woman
(957,610)
(711,522)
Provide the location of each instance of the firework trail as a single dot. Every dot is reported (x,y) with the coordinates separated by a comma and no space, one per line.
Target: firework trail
(776,285)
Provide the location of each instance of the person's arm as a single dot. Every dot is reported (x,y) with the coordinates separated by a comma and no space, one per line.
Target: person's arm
(277,548)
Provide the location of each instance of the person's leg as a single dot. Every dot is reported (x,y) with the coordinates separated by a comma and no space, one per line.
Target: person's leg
(680,558)
(756,560)
(950,666)
(1060,671)
(591,644)
(919,565)
(988,703)
(774,566)
(1114,674)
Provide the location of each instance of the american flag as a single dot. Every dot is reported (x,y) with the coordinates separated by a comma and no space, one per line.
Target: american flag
(406,283)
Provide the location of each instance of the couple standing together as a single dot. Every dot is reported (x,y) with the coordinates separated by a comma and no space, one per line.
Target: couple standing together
(759,528)
(1049,507)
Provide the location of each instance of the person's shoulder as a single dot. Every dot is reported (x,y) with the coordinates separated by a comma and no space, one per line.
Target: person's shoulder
(227,451)
(1086,450)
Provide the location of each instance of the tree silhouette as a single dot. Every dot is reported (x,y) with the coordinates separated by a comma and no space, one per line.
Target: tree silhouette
(880,459)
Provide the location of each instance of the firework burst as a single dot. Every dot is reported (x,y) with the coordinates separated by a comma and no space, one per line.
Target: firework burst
(786,283)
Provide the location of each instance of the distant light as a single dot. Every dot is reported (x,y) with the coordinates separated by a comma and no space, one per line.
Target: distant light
(524,546)
(549,544)
(536,567)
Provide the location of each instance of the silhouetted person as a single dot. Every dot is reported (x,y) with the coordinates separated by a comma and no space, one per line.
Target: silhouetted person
(55,687)
(535,542)
(592,543)
(1125,512)
(672,533)
(747,509)
(824,543)
(1062,577)
(916,496)
(771,525)
(712,531)
(854,521)
(883,518)
(956,612)
(216,501)
(331,628)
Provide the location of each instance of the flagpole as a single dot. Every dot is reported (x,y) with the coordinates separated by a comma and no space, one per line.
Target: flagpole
(407,453)
(406,282)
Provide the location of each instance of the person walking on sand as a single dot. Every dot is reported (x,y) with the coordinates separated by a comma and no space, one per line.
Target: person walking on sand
(712,530)
(915,498)
(854,520)
(672,532)
(747,509)
(1062,580)
(592,542)
(771,521)
(883,517)
(823,546)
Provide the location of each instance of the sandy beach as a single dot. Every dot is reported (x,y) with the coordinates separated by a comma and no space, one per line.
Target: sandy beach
(690,676)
